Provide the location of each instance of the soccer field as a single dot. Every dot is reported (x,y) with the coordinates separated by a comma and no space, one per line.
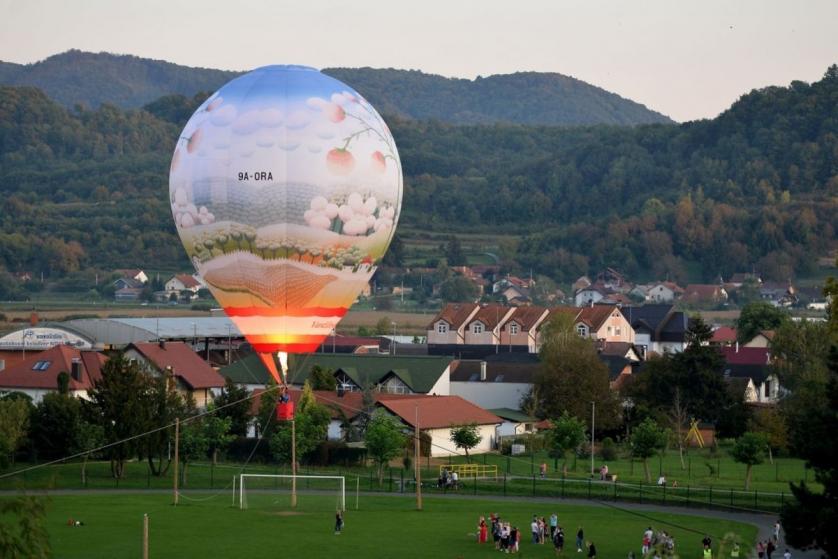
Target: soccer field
(383,527)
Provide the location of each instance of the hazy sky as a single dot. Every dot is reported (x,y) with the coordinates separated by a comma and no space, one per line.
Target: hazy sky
(685,59)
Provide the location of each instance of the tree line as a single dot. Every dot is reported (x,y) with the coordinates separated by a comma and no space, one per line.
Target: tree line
(753,187)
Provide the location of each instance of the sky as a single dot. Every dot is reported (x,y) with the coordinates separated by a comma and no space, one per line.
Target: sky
(687,59)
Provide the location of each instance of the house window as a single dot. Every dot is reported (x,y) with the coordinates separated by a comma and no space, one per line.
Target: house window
(477,328)
(346,384)
(41,365)
(609,330)
(442,328)
(513,328)
(617,330)
(582,331)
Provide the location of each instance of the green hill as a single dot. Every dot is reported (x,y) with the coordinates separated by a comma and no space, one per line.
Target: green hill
(756,186)
(91,79)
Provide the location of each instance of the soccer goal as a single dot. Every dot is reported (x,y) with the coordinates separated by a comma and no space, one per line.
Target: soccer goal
(280,491)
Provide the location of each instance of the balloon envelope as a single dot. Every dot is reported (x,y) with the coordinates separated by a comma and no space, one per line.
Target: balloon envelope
(285,187)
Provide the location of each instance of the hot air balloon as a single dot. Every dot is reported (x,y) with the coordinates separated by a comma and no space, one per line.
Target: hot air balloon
(285,187)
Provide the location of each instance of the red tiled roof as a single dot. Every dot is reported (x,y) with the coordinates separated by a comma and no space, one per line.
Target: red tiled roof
(702,291)
(351,403)
(596,315)
(746,355)
(188,281)
(490,315)
(724,334)
(60,358)
(454,314)
(527,317)
(184,362)
(438,411)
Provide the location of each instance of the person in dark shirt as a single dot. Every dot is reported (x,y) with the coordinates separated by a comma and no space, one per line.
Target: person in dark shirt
(707,541)
(591,550)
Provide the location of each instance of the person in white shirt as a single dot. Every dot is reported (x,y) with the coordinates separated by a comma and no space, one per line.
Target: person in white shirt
(662,480)
(787,554)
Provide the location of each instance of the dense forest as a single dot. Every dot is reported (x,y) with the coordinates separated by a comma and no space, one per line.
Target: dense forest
(756,186)
(90,79)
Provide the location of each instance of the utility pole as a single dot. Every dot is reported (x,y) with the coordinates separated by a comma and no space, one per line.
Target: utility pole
(593,432)
(293,464)
(416,463)
(177,444)
(145,536)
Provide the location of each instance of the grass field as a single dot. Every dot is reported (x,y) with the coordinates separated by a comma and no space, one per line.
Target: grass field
(385,527)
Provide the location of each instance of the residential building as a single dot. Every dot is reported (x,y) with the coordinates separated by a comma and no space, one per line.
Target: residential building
(753,363)
(192,375)
(134,274)
(778,294)
(384,373)
(183,282)
(763,339)
(514,422)
(723,336)
(658,329)
(621,358)
(604,322)
(128,294)
(436,415)
(37,374)
(521,328)
(483,328)
(664,292)
(449,326)
(589,296)
(127,283)
(499,381)
(705,294)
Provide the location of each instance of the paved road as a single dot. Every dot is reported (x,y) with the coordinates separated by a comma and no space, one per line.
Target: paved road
(763,522)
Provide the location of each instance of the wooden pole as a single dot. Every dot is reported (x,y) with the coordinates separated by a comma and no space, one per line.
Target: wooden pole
(177,444)
(145,536)
(293,464)
(417,463)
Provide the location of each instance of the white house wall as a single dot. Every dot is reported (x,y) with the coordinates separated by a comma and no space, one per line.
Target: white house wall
(491,395)
(442,386)
(441,444)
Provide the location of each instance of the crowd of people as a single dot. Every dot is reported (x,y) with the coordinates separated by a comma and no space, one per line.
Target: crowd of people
(507,537)
(448,480)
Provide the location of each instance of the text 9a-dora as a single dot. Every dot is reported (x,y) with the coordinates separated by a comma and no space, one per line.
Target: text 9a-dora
(256,176)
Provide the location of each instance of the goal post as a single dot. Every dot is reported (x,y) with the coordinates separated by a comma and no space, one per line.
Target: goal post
(280,480)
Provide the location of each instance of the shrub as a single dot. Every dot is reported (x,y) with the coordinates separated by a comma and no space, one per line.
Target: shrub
(608,450)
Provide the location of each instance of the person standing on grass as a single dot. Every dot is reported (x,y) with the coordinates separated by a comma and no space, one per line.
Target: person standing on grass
(707,542)
(543,470)
(338,523)
(777,532)
(534,529)
(558,540)
(591,550)
(515,536)
(554,522)
(580,539)
(482,531)
(496,530)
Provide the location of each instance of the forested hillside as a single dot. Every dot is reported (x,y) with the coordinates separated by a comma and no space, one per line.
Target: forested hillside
(76,77)
(756,186)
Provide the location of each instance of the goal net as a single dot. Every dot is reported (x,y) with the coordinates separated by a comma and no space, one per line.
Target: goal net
(279,492)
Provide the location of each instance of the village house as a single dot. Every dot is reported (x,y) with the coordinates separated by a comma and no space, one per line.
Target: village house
(514,422)
(704,294)
(499,381)
(483,328)
(723,336)
(658,329)
(754,364)
(762,339)
(449,326)
(590,295)
(521,328)
(37,374)
(664,292)
(183,282)
(778,294)
(134,274)
(192,375)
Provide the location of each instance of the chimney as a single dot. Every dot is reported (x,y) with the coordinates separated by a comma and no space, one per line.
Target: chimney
(33,319)
(483,371)
(75,370)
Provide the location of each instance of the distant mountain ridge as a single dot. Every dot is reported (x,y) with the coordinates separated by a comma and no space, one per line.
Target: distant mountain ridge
(551,99)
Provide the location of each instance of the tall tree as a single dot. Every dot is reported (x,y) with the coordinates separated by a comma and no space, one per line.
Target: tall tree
(234,403)
(566,435)
(118,405)
(749,449)
(14,426)
(756,317)
(384,439)
(311,425)
(322,379)
(466,437)
(572,376)
(646,440)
